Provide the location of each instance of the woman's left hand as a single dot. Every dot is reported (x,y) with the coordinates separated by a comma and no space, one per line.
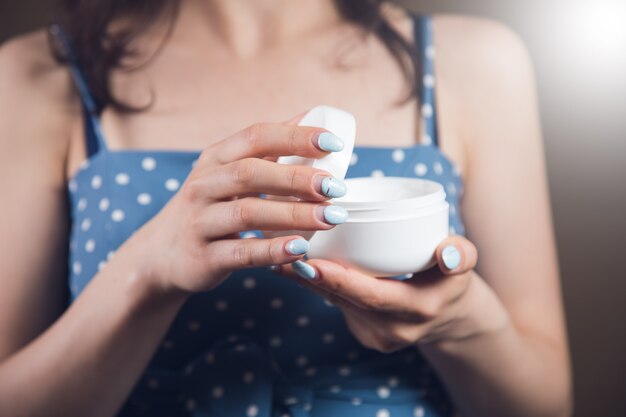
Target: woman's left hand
(389,314)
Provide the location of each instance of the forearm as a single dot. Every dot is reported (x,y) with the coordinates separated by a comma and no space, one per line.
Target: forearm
(503,371)
(88,361)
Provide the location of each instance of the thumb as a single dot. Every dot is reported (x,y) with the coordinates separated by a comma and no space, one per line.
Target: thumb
(456,255)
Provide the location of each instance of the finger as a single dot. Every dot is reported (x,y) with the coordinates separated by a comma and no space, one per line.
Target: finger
(363,291)
(233,254)
(288,272)
(456,255)
(291,122)
(274,139)
(252,213)
(257,176)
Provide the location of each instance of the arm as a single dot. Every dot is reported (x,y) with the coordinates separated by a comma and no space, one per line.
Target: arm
(113,322)
(85,361)
(523,368)
(495,333)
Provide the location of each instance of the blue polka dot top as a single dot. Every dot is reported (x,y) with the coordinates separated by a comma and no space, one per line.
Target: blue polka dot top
(259,345)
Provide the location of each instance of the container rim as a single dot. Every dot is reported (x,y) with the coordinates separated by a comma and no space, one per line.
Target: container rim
(394,216)
(427,192)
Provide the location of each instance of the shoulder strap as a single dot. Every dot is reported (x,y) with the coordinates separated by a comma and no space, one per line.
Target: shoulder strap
(423,36)
(93,132)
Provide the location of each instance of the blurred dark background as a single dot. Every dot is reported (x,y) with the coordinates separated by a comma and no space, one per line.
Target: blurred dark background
(579,52)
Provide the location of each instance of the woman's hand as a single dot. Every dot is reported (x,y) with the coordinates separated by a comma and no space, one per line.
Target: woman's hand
(193,243)
(389,314)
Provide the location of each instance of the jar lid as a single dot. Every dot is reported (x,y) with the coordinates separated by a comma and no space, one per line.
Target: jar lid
(340,123)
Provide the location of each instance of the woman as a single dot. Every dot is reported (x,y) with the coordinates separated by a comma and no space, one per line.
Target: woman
(172,311)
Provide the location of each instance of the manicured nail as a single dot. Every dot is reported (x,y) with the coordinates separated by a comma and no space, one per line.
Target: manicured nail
(332,214)
(297,246)
(303,269)
(451,257)
(329,142)
(330,186)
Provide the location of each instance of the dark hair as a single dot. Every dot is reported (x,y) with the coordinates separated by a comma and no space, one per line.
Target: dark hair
(101,50)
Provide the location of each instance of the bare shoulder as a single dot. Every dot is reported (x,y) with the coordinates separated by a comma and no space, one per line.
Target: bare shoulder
(485,71)
(37,104)
(481,44)
(27,64)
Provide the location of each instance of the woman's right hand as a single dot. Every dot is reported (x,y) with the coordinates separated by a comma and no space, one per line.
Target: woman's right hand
(193,243)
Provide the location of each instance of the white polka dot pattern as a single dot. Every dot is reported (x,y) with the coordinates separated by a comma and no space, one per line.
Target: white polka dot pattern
(96,182)
(383,412)
(122,178)
(429,81)
(144,199)
(427,110)
(419,411)
(421,169)
(397,156)
(104,204)
(148,164)
(85,225)
(118,215)
(172,184)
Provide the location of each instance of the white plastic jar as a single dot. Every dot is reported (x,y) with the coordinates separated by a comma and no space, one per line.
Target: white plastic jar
(394,223)
(394,226)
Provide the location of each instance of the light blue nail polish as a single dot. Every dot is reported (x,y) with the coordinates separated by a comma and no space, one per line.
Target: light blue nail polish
(297,246)
(303,269)
(335,214)
(333,188)
(329,142)
(451,257)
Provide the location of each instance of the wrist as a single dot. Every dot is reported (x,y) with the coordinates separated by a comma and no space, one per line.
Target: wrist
(143,282)
(477,313)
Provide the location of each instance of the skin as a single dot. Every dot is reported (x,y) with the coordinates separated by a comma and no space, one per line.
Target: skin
(493,330)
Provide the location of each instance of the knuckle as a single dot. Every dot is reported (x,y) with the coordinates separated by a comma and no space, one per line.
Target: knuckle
(374,302)
(402,336)
(294,176)
(243,172)
(333,286)
(253,133)
(242,254)
(275,252)
(430,308)
(207,154)
(241,214)
(458,286)
(294,214)
(472,255)
(300,181)
(194,190)
(292,139)
(384,344)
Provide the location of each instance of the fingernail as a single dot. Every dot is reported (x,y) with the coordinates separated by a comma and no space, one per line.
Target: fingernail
(303,269)
(329,142)
(297,246)
(332,214)
(451,257)
(330,186)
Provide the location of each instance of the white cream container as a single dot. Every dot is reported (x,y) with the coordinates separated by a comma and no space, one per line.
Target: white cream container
(394,223)
(394,226)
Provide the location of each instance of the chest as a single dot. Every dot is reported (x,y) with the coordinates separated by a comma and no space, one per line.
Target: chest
(200,98)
